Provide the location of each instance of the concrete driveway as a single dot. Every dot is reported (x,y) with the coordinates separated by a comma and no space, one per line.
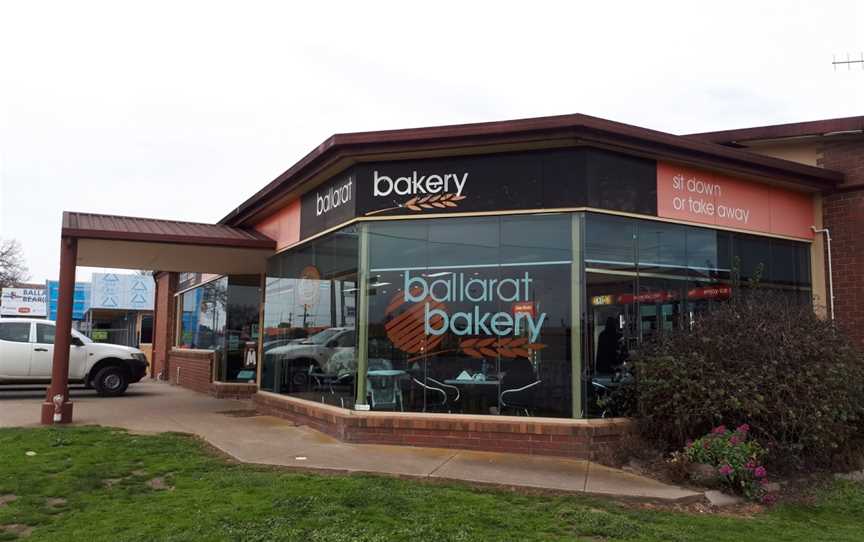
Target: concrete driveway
(233,427)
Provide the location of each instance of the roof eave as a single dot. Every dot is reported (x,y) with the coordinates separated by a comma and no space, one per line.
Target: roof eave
(580,127)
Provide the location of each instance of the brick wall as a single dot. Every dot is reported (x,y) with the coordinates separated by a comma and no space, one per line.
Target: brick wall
(233,390)
(844,216)
(579,439)
(163,332)
(191,369)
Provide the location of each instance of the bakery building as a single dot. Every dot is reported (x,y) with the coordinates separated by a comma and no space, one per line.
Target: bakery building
(474,286)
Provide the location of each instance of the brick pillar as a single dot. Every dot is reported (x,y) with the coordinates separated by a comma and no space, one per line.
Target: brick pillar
(844,215)
(165,322)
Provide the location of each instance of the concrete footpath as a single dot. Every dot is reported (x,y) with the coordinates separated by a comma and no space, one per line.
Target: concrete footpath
(232,427)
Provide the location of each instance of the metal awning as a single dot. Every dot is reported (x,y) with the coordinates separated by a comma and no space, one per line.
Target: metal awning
(139,243)
(166,245)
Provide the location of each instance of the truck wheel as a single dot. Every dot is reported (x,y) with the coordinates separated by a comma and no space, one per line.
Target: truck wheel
(111,382)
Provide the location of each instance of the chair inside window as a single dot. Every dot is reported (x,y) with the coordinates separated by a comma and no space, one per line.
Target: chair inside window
(520,400)
(518,386)
(437,397)
(384,392)
(452,392)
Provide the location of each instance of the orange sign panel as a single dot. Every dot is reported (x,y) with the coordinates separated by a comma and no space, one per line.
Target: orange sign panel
(282,226)
(694,195)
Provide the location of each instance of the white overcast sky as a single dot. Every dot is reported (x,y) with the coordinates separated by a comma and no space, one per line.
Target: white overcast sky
(182,110)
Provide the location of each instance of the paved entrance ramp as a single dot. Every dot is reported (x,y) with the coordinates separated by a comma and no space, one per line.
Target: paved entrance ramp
(232,427)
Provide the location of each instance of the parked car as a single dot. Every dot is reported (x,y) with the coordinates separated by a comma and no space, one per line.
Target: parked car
(27,352)
(299,357)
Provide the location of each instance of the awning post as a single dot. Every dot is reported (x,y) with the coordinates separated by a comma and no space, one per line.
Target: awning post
(57,408)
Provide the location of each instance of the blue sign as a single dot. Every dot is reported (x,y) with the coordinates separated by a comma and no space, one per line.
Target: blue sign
(126,292)
(80,300)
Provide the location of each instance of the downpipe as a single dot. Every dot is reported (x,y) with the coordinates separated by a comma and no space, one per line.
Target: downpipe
(827,234)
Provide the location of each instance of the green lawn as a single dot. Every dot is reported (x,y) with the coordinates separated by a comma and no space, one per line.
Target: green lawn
(99,478)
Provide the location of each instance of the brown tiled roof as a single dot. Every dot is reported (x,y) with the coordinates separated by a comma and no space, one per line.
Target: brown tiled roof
(341,150)
(781,131)
(127,228)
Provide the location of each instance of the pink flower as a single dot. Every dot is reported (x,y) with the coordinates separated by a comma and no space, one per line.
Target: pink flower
(743,428)
(689,443)
(726,470)
(760,472)
(705,444)
(719,430)
(735,440)
(750,465)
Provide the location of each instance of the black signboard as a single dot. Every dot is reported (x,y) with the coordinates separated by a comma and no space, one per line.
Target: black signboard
(329,205)
(550,179)
(188,280)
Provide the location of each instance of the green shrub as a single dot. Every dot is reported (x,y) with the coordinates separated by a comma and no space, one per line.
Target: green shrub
(759,359)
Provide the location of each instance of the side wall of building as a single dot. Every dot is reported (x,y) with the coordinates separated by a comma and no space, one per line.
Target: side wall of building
(844,217)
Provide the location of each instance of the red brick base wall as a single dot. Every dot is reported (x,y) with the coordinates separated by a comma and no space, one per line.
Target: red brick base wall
(191,369)
(579,439)
(233,390)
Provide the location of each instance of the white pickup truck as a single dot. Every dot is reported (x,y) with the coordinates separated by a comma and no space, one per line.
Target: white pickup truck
(27,351)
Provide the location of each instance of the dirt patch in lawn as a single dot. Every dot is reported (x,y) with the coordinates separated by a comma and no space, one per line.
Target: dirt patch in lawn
(159,484)
(111,482)
(6,499)
(55,502)
(18,529)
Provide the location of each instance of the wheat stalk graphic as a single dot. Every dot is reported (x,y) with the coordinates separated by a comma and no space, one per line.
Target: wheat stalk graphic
(505,347)
(425,203)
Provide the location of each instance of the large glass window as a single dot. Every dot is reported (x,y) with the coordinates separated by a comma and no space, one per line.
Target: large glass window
(475,314)
(610,243)
(471,315)
(202,316)
(238,361)
(222,316)
(677,272)
(310,316)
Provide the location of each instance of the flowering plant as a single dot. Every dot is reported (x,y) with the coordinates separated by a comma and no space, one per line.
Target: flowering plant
(738,459)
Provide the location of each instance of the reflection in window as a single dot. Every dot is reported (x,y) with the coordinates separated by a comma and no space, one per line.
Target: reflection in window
(222,316)
(202,317)
(682,271)
(609,242)
(661,247)
(16,332)
(471,315)
(310,315)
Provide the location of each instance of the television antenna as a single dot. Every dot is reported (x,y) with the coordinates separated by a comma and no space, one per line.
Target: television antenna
(848,62)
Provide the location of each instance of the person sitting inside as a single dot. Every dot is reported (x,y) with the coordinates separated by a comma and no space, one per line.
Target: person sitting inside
(608,347)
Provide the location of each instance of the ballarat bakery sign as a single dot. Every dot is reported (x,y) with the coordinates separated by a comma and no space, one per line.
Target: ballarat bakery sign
(528,180)
(23,302)
(452,185)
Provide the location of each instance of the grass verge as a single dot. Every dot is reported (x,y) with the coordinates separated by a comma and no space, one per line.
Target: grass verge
(95,484)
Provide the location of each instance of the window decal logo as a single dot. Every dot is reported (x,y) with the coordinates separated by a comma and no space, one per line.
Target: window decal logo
(420,319)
